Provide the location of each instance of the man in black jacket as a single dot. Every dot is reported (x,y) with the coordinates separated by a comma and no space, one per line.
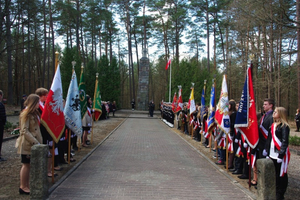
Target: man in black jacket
(2,123)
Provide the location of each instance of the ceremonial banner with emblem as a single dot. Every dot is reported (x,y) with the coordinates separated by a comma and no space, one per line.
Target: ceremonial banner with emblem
(192,105)
(97,101)
(72,109)
(212,108)
(203,110)
(82,94)
(222,118)
(174,103)
(53,114)
(246,119)
(179,102)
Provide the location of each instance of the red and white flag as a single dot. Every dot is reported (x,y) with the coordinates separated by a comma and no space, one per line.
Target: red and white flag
(222,117)
(174,102)
(168,64)
(179,102)
(53,115)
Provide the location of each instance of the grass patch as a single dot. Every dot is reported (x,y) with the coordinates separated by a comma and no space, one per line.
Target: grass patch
(294,140)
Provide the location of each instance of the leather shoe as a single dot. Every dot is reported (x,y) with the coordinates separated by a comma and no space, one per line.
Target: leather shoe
(243,176)
(229,167)
(23,192)
(232,170)
(237,172)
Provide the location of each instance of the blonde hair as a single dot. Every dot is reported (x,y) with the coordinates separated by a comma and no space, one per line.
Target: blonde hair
(30,103)
(283,116)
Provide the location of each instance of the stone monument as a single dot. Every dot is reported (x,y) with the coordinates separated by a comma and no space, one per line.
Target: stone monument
(143,84)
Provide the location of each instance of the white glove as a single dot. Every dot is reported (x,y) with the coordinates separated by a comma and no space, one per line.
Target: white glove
(279,160)
(267,157)
(264,153)
(236,140)
(245,145)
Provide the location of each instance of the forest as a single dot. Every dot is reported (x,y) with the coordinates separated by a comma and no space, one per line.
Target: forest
(204,38)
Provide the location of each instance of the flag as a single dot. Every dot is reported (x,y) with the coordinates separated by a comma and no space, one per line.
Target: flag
(168,64)
(82,94)
(212,105)
(192,102)
(246,120)
(53,114)
(174,103)
(203,110)
(97,101)
(72,109)
(179,102)
(222,117)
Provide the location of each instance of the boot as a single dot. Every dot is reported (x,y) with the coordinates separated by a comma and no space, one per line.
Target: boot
(230,161)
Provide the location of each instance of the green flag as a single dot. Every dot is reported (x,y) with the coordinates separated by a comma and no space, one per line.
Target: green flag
(97,100)
(82,94)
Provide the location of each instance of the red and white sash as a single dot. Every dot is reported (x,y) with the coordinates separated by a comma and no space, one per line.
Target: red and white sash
(286,158)
(262,129)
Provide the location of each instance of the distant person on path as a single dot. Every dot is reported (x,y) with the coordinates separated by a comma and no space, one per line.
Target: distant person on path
(278,150)
(22,101)
(132,104)
(30,135)
(114,107)
(151,108)
(297,119)
(2,123)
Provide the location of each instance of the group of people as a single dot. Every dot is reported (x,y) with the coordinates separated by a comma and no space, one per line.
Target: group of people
(32,132)
(273,142)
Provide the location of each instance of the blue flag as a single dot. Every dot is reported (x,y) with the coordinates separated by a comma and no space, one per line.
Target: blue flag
(203,110)
(212,107)
(72,109)
(242,113)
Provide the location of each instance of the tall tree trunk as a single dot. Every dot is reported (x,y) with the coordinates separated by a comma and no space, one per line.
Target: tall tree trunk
(45,44)
(207,35)
(298,49)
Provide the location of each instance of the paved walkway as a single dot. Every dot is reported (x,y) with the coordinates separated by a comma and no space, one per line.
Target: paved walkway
(144,159)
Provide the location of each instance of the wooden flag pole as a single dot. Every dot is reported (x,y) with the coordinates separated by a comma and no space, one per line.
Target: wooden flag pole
(227,151)
(69,147)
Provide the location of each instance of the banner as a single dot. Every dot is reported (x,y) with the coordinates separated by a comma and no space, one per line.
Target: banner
(82,94)
(72,109)
(53,117)
(212,107)
(222,117)
(97,101)
(246,119)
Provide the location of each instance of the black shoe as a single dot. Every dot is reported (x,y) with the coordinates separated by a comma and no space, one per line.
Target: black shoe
(229,167)
(2,159)
(232,170)
(23,192)
(237,172)
(243,176)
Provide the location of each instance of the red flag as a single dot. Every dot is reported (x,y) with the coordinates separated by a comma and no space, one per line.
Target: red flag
(179,102)
(53,115)
(174,102)
(168,64)
(246,119)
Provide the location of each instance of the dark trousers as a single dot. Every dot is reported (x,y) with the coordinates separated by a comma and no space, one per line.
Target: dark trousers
(298,125)
(281,182)
(1,136)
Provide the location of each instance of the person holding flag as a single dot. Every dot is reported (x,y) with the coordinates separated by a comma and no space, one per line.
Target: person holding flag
(212,112)
(87,121)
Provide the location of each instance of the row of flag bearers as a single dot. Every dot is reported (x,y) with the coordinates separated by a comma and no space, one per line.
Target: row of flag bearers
(234,127)
(75,114)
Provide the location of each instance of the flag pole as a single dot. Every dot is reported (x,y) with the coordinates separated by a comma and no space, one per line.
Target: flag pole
(53,143)
(170,82)
(200,111)
(250,162)
(226,141)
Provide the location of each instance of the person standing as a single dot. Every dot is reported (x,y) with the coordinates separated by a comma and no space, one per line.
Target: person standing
(87,121)
(278,149)
(114,107)
(297,119)
(132,104)
(2,123)
(30,135)
(264,130)
(22,101)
